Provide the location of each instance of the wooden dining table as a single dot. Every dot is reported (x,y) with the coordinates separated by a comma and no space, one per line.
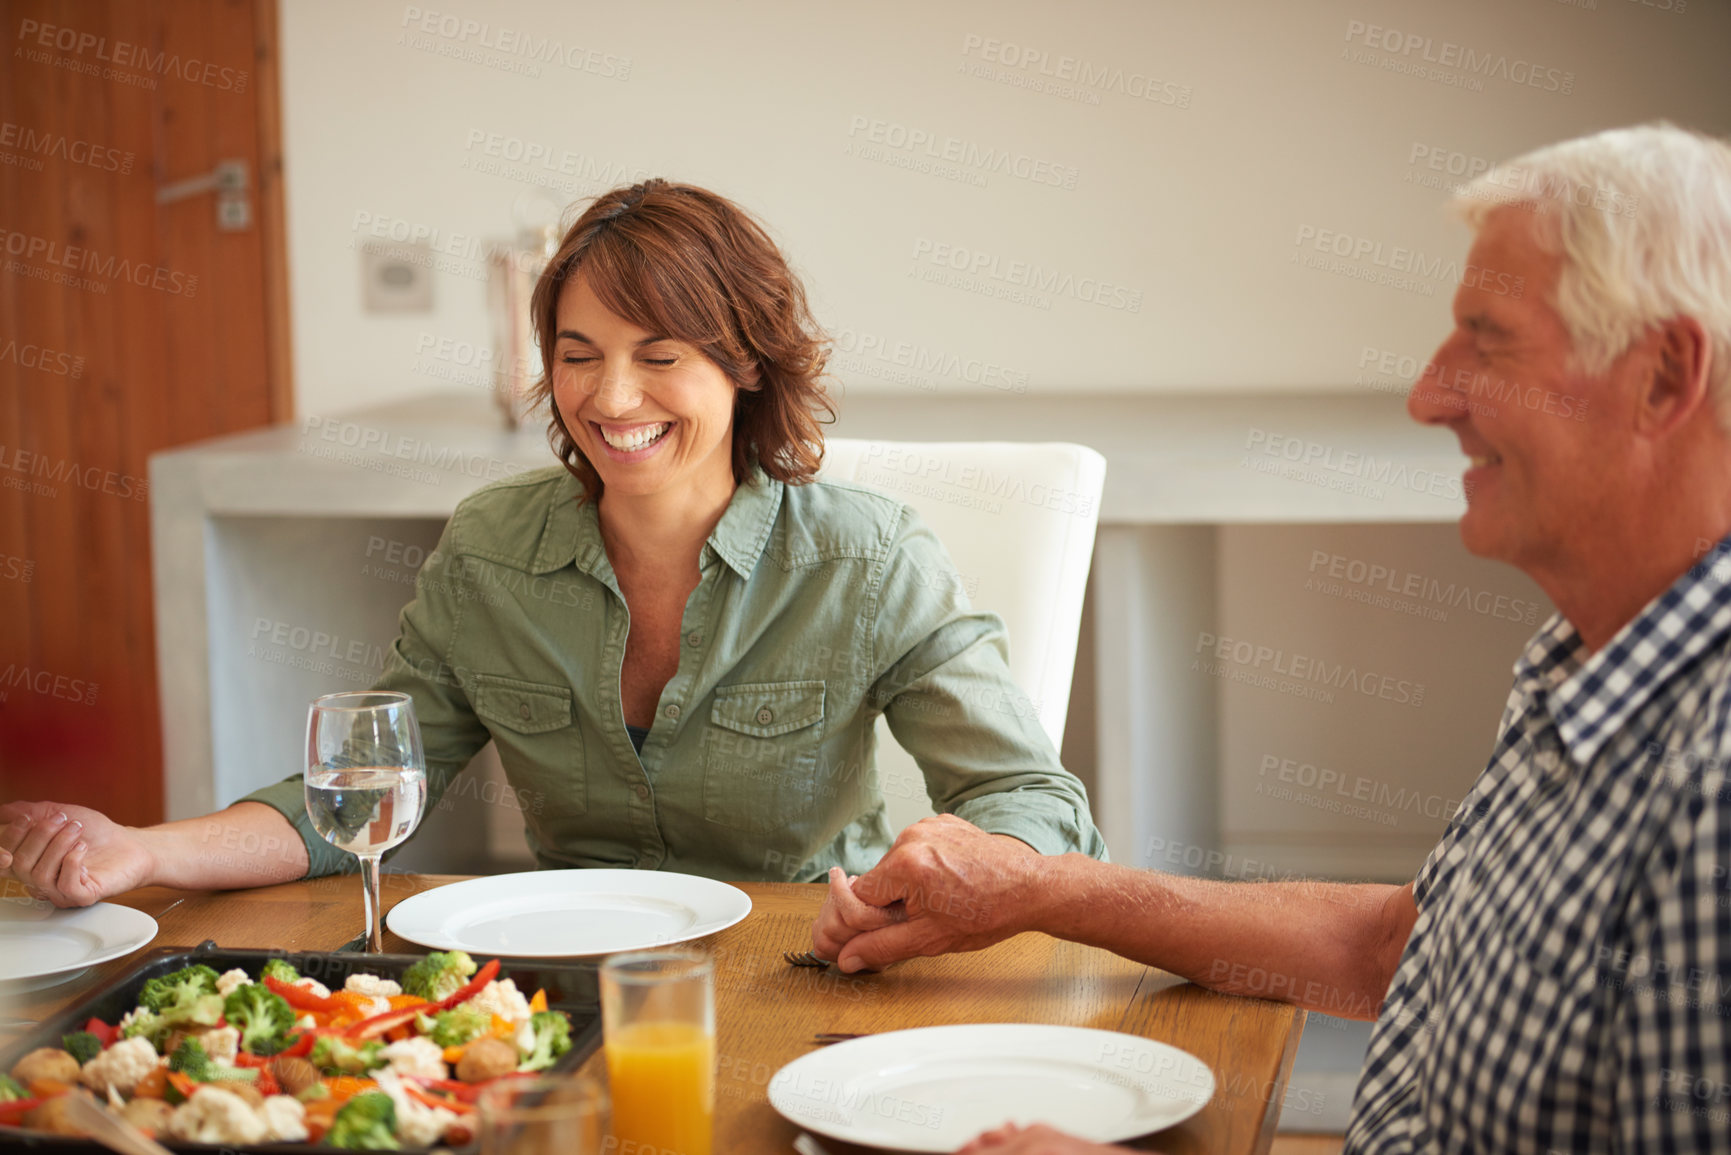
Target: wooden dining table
(767,1011)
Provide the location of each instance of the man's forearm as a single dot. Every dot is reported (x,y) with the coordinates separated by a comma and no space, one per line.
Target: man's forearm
(1329,947)
(249,844)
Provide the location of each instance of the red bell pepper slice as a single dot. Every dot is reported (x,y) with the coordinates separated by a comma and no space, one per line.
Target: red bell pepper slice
(12,1110)
(379,1024)
(467,1092)
(420,1096)
(301,998)
(267,1084)
(303,1045)
(104,1033)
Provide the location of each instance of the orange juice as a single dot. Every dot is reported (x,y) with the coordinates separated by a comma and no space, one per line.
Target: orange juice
(663,1088)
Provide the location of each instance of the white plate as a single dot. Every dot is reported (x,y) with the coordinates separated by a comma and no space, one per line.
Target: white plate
(935,1088)
(38,942)
(558,913)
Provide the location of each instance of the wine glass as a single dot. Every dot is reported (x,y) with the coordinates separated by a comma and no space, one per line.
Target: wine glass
(366,780)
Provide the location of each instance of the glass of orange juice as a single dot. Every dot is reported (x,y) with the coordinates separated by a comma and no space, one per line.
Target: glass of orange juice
(658,1026)
(550,1115)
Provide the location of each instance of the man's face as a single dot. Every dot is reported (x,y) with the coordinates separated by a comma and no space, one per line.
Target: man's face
(1545,457)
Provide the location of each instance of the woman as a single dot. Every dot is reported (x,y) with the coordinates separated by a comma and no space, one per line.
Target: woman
(678,641)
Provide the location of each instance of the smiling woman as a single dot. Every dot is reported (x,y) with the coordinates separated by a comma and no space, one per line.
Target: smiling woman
(678,640)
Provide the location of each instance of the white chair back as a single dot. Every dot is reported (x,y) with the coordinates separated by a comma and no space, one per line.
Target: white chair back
(1018,520)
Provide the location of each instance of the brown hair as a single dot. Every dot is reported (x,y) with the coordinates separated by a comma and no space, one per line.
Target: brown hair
(686,263)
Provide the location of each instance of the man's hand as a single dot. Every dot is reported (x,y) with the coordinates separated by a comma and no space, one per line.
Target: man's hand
(946,885)
(1036,1140)
(71,855)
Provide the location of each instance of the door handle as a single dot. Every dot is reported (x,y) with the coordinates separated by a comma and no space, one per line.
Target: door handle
(229,180)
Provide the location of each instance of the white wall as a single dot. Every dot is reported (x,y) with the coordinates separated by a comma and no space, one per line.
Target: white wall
(1190,208)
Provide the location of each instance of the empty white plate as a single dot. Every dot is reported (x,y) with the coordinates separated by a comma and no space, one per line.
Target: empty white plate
(37,943)
(558,913)
(935,1088)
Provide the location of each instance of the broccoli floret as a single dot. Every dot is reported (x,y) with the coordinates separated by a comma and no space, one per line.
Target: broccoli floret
(456,1026)
(174,990)
(368,1120)
(334,1054)
(192,1060)
(552,1039)
(439,975)
(11,1088)
(262,1016)
(280,970)
(143,1024)
(81,1045)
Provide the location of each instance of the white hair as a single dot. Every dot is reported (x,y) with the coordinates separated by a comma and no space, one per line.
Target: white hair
(1641,218)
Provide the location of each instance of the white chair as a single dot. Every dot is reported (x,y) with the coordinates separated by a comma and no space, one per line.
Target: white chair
(1018,521)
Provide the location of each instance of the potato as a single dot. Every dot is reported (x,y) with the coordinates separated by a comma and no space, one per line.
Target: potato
(46,1063)
(485,1059)
(148,1115)
(54,1116)
(253,1096)
(294,1075)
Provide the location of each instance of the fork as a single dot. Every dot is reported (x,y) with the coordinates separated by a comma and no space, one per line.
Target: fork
(806,1145)
(803,959)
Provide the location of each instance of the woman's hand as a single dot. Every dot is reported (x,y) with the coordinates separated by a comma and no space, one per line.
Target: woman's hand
(71,855)
(1036,1140)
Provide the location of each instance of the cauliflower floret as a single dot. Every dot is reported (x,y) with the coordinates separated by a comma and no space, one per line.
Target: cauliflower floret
(284,1118)
(128,1019)
(372,985)
(120,1066)
(313,985)
(417,1056)
(378,1006)
(418,1125)
(228,980)
(222,1044)
(502,999)
(306,1021)
(214,1115)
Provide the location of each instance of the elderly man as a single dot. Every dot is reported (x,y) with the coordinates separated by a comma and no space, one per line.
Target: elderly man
(1558,976)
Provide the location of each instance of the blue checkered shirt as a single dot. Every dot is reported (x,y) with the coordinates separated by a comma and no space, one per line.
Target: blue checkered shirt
(1567,986)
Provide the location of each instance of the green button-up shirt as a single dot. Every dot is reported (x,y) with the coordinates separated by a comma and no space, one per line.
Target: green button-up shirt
(820,607)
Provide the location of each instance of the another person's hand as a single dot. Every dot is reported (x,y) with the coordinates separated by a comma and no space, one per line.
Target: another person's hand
(948,886)
(1036,1140)
(70,855)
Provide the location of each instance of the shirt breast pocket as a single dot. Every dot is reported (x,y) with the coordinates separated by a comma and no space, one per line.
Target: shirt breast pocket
(760,754)
(535,728)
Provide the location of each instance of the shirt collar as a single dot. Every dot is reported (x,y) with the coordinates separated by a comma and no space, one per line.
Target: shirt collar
(1592,697)
(573,529)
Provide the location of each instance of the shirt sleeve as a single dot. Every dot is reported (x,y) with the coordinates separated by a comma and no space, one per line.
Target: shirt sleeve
(1673,1021)
(419,665)
(951,703)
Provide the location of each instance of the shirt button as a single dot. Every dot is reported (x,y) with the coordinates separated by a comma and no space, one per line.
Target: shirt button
(672,711)
(523,709)
(765,716)
(694,639)
(640,790)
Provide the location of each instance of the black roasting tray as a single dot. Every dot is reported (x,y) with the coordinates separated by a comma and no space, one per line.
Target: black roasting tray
(572,985)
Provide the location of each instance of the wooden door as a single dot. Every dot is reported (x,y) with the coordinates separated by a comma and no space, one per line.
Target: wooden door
(128,324)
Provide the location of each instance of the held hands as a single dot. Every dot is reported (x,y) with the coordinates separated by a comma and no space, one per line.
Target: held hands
(946,885)
(70,855)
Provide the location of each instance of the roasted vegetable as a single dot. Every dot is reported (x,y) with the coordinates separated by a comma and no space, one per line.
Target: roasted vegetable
(193,1061)
(333,1054)
(366,1121)
(294,1075)
(264,1019)
(46,1063)
(11,1089)
(552,1039)
(81,1045)
(485,1059)
(456,1026)
(177,989)
(439,975)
